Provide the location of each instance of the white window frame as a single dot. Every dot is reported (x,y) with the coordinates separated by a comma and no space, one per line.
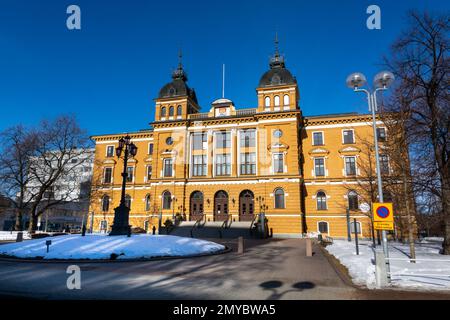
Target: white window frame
(134,174)
(148,148)
(325,170)
(326,201)
(275,101)
(288,100)
(353,135)
(385,133)
(283,165)
(114,150)
(275,198)
(323,138)
(164,168)
(267,106)
(356,167)
(112,174)
(146,179)
(328,226)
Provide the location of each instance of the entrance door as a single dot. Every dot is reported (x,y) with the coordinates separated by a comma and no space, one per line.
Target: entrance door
(220,206)
(196,211)
(246,206)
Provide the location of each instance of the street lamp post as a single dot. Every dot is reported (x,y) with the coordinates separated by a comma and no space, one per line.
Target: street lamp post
(121,213)
(381,82)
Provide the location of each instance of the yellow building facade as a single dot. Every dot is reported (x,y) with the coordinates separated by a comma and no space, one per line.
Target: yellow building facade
(231,163)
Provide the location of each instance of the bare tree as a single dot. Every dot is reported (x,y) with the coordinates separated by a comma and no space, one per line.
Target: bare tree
(419,59)
(19,146)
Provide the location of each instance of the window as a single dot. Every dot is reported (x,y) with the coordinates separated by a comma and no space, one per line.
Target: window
(49,193)
(248,138)
(149,173)
(321,199)
(128,201)
(267,102)
(348,137)
(167,168)
(223,139)
(163,111)
(179,110)
(322,226)
(103,225)
(105,203)
(199,141)
(199,165)
(278,163)
(167,200)
(319,167)
(278,133)
(107,175)
(384,164)
(279,198)
(358,227)
(350,166)
(353,200)
(110,151)
(248,163)
(223,165)
(171,111)
(147,203)
(146,223)
(317,138)
(150,148)
(130,174)
(286,100)
(381,134)
(276,101)
(169,141)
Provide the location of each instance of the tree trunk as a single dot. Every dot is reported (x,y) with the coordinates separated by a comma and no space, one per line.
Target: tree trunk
(19,216)
(33,224)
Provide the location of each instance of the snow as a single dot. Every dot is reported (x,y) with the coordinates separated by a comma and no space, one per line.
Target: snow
(101,246)
(12,235)
(430,272)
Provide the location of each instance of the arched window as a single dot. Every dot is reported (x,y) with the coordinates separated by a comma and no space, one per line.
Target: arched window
(167,200)
(276,101)
(352,200)
(321,199)
(163,111)
(322,227)
(279,198)
(147,202)
(286,100)
(267,102)
(105,203)
(171,111)
(179,111)
(128,201)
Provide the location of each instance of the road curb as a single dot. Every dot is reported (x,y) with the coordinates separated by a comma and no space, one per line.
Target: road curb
(44,261)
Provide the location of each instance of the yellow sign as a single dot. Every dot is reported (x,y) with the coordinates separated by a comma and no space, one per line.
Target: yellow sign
(383,216)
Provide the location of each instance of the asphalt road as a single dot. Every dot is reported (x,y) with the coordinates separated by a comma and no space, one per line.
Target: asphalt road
(274,269)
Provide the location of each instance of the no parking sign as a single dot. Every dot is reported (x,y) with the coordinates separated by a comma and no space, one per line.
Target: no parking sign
(383,216)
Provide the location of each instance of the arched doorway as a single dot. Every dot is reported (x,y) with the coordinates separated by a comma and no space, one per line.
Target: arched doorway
(196,211)
(220,206)
(246,205)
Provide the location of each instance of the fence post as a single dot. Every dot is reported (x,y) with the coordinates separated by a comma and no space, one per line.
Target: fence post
(308,247)
(355,226)
(240,245)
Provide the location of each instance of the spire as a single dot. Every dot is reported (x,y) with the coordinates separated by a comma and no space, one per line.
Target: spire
(277,61)
(180,73)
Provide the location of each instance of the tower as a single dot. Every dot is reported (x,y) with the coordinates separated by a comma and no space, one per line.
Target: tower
(277,89)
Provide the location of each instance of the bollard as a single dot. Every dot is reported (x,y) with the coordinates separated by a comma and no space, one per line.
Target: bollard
(153,230)
(308,248)
(380,270)
(83,231)
(19,236)
(240,245)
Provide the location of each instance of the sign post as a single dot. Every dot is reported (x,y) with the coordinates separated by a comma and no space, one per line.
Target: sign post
(383,219)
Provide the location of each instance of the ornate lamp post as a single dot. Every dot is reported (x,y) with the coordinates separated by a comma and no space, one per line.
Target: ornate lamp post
(121,213)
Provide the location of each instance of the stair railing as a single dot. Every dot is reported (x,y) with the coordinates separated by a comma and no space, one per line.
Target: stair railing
(255,217)
(197,223)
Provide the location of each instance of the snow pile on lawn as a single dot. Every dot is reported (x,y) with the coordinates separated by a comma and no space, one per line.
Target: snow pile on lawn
(431,271)
(12,236)
(103,246)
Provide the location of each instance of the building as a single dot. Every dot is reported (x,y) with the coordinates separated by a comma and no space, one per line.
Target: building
(231,163)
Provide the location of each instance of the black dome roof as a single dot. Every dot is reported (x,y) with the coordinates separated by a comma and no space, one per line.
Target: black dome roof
(278,75)
(177,87)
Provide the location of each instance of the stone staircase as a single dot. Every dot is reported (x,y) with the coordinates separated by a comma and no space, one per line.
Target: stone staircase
(212,229)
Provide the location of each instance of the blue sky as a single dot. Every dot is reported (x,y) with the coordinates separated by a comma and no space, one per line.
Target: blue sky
(109,72)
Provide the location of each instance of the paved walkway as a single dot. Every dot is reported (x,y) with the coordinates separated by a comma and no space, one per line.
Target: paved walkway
(273,269)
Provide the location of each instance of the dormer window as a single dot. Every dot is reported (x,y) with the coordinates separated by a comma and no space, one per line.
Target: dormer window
(277,101)
(267,102)
(163,111)
(171,111)
(179,110)
(286,100)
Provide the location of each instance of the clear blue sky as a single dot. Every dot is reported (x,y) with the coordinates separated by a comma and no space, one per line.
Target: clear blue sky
(109,72)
